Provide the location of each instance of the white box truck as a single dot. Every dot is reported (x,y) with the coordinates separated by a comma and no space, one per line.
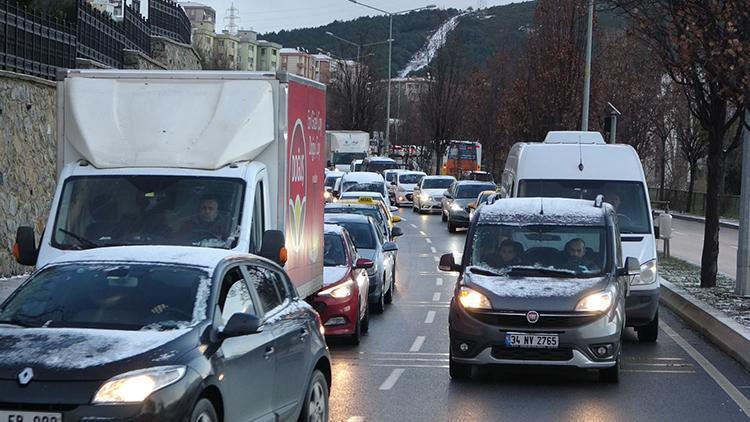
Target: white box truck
(345,146)
(580,165)
(207,159)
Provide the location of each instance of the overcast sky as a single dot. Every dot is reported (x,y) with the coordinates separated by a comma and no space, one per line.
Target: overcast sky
(273,15)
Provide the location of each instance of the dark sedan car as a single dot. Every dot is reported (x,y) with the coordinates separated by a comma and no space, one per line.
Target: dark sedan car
(161,333)
(457,197)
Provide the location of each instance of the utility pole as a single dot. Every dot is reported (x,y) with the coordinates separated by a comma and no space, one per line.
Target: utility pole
(742,285)
(388,100)
(587,69)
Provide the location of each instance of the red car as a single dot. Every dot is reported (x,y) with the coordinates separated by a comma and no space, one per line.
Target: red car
(342,303)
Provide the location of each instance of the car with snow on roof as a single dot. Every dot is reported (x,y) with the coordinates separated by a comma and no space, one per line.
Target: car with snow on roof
(541,282)
(161,333)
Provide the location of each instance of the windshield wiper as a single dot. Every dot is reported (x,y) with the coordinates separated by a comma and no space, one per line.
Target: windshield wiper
(482,271)
(521,271)
(88,243)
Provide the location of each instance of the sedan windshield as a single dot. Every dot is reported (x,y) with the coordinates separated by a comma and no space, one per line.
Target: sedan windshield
(472,191)
(410,178)
(111,296)
(334,255)
(148,210)
(436,183)
(542,250)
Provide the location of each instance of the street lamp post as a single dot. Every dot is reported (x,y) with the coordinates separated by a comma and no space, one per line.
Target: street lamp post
(390,49)
(587,69)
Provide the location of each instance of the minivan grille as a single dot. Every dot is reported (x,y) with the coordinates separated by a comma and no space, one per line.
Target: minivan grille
(560,355)
(517,320)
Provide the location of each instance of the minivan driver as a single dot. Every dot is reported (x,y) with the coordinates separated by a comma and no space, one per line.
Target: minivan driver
(208,223)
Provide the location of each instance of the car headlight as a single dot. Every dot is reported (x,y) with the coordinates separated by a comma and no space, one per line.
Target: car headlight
(472,299)
(456,207)
(339,292)
(424,197)
(596,302)
(135,386)
(647,274)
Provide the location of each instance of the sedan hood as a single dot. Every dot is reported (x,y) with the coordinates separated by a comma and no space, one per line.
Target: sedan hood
(535,293)
(75,354)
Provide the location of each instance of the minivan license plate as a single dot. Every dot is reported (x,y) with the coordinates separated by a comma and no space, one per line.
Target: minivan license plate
(6,416)
(536,341)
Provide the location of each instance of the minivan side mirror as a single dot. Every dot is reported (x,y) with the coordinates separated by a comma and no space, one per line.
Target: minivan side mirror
(24,250)
(632,267)
(448,263)
(240,324)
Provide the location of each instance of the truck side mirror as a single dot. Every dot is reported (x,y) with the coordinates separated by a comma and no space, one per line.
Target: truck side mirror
(273,247)
(25,250)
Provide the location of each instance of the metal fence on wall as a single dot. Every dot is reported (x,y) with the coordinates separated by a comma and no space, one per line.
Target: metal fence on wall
(729,205)
(167,19)
(39,45)
(34,44)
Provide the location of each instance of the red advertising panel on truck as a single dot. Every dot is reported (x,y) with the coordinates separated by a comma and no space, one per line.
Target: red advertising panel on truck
(305,176)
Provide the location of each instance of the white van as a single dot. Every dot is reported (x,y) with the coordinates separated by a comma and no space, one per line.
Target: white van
(581,165)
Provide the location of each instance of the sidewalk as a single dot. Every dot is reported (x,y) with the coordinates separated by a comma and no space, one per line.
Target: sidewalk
(723,222)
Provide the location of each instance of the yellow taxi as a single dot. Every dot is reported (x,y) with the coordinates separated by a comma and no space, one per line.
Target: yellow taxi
(375,202)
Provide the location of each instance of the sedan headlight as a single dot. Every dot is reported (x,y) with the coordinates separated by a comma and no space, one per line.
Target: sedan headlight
(647,275)
(135,386)
(424,197)
(472,299)
(596,302)
(456,207)
(339,292)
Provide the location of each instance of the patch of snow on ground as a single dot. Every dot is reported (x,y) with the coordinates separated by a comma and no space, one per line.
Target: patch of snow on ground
(422,57)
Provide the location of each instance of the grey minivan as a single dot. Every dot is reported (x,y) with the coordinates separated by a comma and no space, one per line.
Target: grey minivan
(541,282)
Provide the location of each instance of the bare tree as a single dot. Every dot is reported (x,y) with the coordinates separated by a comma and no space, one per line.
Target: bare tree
(356,97)
(443,101)
(695,40)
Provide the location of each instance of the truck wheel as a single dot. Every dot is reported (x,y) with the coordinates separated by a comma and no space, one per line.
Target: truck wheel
(451,227)
(458,371)
(611,374)
(649,332)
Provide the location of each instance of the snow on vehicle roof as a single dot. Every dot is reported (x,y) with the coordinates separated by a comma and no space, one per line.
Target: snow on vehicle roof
(475,182)
(357,194)
(179,255)
(332,228)
(439,177)
(336,218)
(405,172)
(334,173)
(542,211)
(380,159)
(363,177)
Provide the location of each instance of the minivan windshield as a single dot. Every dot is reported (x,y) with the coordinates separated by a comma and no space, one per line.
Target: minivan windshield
(412,178)
(541,250)
(441,183)
(628,198)
(98,211)
(111,296)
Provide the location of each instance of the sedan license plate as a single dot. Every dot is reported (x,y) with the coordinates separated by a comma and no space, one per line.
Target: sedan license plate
(12,416)
(535,341)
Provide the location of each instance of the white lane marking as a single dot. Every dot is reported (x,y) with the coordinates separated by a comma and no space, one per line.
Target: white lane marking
(742,401)
(392,379)
(436,297)
(356,419)
(432,248)
(414,225)
(436,259)
(430,317)
(439,281)
(422,233)
(428,240)
(418,342)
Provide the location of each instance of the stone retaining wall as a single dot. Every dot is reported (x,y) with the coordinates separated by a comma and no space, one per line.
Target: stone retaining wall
(27,159)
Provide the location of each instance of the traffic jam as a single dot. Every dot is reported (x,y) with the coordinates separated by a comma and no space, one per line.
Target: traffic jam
(213,275)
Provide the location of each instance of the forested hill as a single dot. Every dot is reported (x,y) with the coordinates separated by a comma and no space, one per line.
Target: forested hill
(480,33)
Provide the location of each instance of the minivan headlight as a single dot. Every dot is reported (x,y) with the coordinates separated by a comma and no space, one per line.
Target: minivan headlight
(472,299)
(135,386)
(596,302)
(647,274)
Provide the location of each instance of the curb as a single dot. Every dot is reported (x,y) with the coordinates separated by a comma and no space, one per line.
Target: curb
(702,220)
(724,332)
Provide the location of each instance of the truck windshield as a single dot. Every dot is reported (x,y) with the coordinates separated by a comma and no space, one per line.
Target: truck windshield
(148,210)
(347,157)
(573,250)
(628,198)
